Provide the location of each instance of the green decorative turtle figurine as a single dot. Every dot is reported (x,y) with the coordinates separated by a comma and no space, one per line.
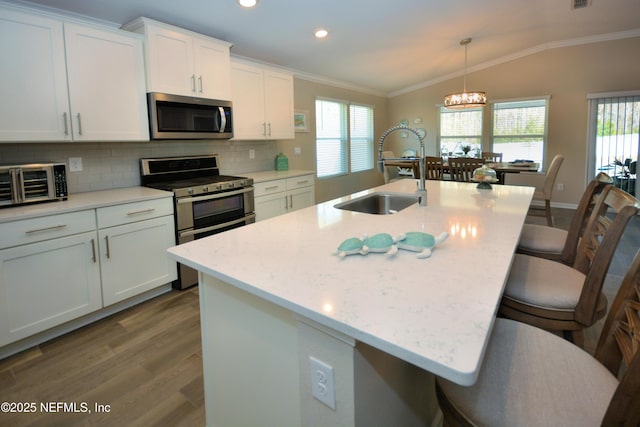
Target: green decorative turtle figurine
(350,246)
(381,243)
(423,243)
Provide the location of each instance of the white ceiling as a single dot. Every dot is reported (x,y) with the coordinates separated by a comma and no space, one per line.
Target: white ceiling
(384,46)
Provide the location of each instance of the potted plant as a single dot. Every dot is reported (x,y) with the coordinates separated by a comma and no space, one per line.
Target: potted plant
(466,149)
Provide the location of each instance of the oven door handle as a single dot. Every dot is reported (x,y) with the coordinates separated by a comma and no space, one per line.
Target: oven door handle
(214,196)
(215,227)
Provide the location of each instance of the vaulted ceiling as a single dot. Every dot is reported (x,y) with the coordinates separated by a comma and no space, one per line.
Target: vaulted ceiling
(383,46)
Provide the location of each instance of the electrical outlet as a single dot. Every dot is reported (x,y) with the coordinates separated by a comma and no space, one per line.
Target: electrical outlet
(75,164)
(252,154)
(322,386)
(560,187)
(297,151)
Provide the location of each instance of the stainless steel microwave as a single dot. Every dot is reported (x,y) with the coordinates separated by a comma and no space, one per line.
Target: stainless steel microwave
(185,117)
(37,182)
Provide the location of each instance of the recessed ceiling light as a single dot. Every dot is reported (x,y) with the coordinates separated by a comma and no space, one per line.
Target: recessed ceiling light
(321,33)
(247,3)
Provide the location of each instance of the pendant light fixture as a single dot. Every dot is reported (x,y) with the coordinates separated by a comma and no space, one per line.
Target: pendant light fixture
(464,99)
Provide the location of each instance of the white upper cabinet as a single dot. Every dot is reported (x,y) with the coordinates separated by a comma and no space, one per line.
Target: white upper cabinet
(104,99)
(181,62)
(262,102)
(106,85)
(35,104)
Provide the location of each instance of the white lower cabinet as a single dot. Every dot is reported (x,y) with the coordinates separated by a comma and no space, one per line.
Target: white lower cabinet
(133,258)
(57,268)
(47,283)
(277,197)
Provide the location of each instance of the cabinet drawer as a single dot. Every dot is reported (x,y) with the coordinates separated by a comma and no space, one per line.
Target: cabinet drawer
(300,181)
(132,212)
(269,187)
(32,230)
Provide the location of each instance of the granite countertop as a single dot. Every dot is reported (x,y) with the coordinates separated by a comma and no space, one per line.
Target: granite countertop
(435,313)
(81,201)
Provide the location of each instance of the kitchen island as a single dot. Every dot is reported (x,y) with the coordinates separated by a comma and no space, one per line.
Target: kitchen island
(273,294)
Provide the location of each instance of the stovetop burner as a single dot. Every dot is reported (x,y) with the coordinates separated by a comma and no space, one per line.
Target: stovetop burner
(188,176)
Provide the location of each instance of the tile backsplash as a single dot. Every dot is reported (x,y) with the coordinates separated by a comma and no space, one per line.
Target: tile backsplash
(107,165)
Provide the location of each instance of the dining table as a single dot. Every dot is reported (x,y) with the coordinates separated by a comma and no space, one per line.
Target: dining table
(412,167)
(297,332)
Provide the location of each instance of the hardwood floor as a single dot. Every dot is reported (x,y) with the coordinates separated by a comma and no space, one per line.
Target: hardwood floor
(146,362)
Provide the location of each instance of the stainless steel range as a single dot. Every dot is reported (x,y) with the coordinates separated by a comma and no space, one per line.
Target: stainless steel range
(205,202)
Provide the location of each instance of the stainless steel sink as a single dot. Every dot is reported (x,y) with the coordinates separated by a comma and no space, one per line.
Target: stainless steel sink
(379,203)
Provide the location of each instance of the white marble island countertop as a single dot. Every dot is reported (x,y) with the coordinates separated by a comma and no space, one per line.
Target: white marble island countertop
(435,313)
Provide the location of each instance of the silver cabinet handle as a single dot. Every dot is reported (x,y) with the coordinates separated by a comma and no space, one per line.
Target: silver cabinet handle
(264,129)
(302,182)
(143,211)
(286,205)
(201,87)
(291,201)
(93,250)
(106,239)
(273,187)
(269,129)
(52,228)
(193,82)
(66,124)
(79,124)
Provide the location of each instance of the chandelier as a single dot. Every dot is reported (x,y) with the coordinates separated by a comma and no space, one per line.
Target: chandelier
(464,99)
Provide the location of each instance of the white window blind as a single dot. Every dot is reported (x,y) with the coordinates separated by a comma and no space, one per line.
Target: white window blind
(331,138)
(459,129)
(341,149)
(361,137)
(520,129)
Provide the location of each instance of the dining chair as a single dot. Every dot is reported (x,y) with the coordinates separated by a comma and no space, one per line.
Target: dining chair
(462,168)
(434,168)
(555,243)
(491,157)
(558,297)
(544,194)
(532,377)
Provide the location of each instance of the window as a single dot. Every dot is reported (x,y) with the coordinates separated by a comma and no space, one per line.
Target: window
(614,137)
(460,129)
(520,129)
(341,149)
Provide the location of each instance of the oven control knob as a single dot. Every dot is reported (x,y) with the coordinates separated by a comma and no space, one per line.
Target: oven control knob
(190,191)
(205,189)
(232,184)
(219,187)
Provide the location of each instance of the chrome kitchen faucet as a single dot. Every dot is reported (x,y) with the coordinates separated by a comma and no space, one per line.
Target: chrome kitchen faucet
(422,191)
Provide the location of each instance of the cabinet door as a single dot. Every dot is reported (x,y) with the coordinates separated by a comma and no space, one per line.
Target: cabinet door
(212,69)
(133,258)
(247,89)
(271,205)
(301,198)
(46,284)
(278,94)
(106,85)
(34,79)
(170,57)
